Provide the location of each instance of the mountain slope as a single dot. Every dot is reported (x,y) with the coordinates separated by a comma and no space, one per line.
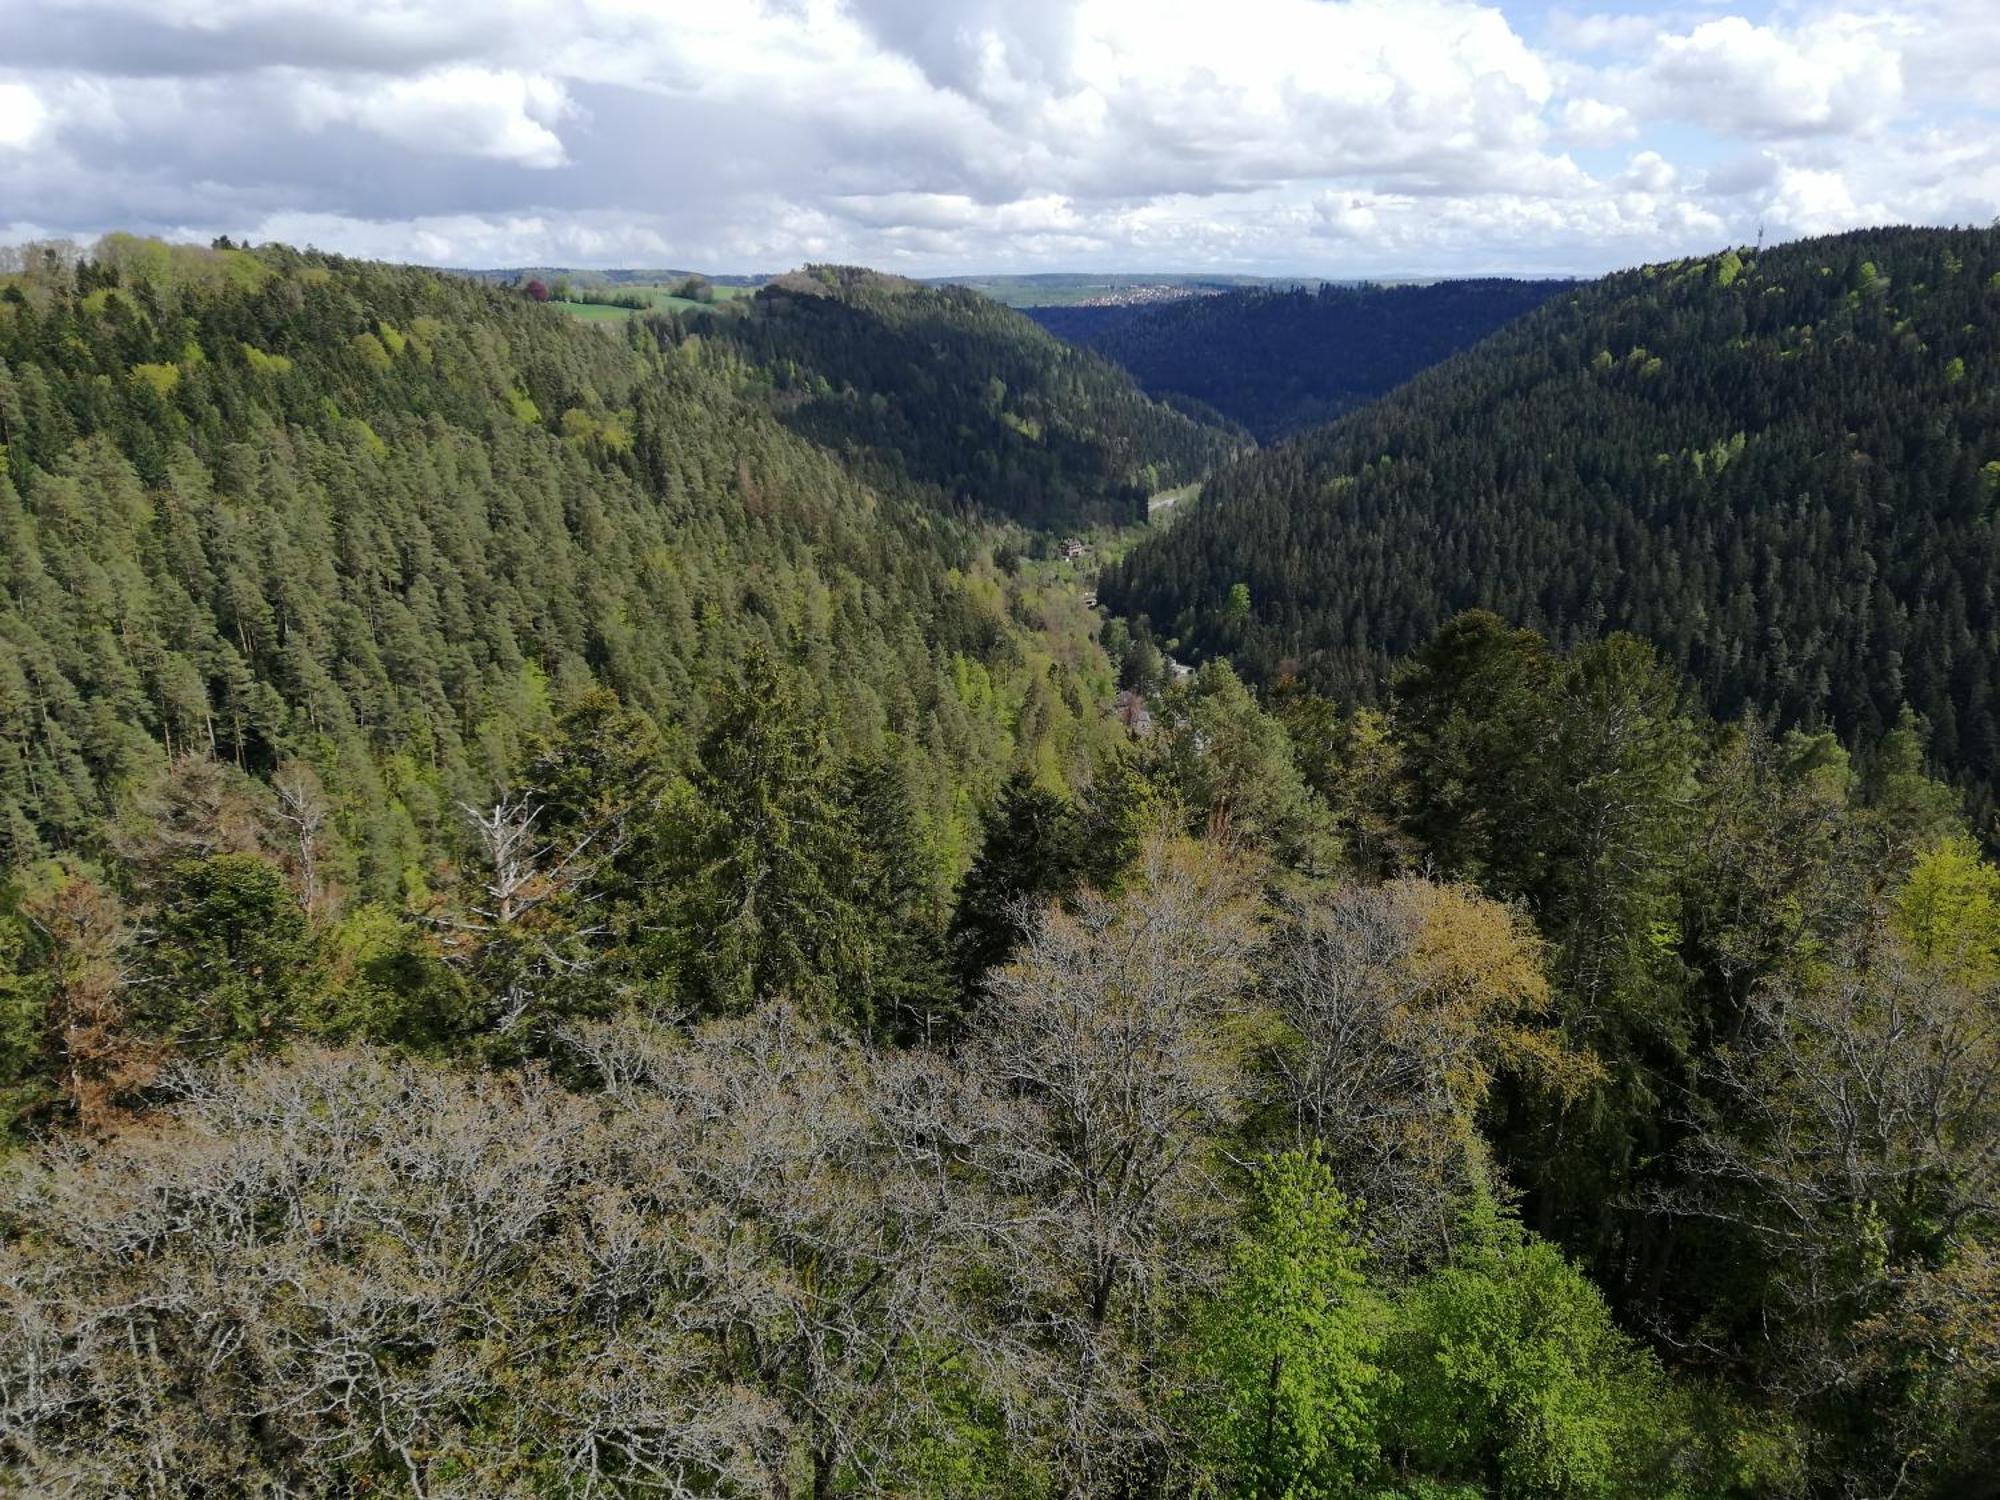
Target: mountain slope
(941,386)
(1281,361)
(1781,468)
(269,505)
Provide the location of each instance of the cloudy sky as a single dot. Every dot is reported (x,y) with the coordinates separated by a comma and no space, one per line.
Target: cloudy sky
(1334,137)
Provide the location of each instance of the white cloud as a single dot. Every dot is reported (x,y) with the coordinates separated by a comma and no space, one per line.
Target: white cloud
(461,111)
(1813,201)
(1596,32)
(472,240)
(1648,172)
(1833,77)
(1592,122)
(22,116)
(1329,136)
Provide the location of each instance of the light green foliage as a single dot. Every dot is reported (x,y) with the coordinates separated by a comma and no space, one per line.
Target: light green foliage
(372,351)
(1514,1377)
(612,432)
(1290,1388)
(1948,911)
(370,438)
(161,377)
(383,980)
(523,406)
(269,364)
(181,267)
(1912,809)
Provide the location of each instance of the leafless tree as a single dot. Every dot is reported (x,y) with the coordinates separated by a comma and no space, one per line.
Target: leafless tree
(1402,1002)
(1110,1041)
(514,927)
(305,815)
(304,1273)
(44,263)
(196,807)
(815,1192)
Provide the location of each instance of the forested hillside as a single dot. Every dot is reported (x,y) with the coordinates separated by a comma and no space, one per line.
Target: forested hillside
(1781,468)
(286,510)
(1278,362)
(560,936)
(942,386)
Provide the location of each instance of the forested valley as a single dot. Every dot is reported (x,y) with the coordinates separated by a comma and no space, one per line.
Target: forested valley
(589,910)
(1280,362)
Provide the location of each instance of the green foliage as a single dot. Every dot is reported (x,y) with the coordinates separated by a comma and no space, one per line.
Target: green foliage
(1355,762)
(1948,911)
(25,1085)
(160,378)
(383,980)
(764,862)
(1514,1378)
(268,364)
(1230,766)
(1911,808)
(1031,853)
(359,529)
(1287,1355)
(228,961)
(825,1060)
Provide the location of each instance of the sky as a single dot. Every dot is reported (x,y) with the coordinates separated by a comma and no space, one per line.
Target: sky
(1313,137)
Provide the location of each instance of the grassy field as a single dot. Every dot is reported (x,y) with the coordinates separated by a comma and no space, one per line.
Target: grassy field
(660,299)
(591,312)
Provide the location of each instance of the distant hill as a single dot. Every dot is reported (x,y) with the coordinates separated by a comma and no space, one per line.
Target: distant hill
(1106,288)
(1783,468)
(945,387)
(624,276)
(1278,360)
